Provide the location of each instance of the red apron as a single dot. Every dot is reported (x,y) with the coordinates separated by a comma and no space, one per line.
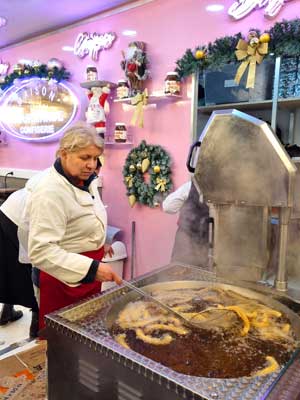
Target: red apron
(55,294)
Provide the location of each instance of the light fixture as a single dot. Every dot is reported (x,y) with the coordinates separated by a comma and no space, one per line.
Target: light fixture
(3,21)
(129,32)
(67,48)
(214,7)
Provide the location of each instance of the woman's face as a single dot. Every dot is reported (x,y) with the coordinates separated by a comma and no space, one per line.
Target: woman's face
(81,164)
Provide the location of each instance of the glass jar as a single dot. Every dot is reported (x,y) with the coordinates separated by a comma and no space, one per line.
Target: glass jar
(91,73)
(120,134)
(172,83)
(122,89)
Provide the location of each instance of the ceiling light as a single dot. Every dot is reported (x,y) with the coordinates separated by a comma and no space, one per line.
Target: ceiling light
(214,7)
(128,32)
(67,48)
(3,21)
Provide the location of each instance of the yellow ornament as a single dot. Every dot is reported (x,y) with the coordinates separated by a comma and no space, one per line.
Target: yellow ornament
(145,164)
(131,168)
(132,200)
(156,169)
(139,166)
(264,38)
(199,54)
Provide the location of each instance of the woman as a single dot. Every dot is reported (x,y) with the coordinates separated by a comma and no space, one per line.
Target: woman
(67,224)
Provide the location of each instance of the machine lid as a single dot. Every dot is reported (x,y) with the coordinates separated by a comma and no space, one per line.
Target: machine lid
(241,161)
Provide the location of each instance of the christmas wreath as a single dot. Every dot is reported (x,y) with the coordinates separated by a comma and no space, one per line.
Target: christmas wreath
(53,70)
(140,160)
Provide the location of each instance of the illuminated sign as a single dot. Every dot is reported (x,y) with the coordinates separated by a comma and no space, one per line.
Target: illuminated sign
(37,109)
(92,43)
(241,8)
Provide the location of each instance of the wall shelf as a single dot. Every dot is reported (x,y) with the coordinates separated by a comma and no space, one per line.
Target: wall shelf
(109,141)
(290,104)
(152,98)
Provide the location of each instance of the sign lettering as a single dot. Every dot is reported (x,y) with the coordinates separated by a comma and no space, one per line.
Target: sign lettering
(37,110)
(92,44)
(241,8)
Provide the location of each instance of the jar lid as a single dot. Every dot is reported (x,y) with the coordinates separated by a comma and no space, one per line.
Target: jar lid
(172,73)
(122,81)
(120,123)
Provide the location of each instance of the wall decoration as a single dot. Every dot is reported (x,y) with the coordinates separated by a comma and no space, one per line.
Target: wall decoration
(139,101)
(92,43)
(135,64)
(251,53)
(241,8)
(98,92)
(37,109)
(283,38)
(155,161)
(53,70)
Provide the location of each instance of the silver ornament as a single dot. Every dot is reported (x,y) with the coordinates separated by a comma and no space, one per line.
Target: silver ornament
(54,62)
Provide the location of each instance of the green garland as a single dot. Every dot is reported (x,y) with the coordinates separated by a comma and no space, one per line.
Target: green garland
(41,71)
(147,158)
(285,41)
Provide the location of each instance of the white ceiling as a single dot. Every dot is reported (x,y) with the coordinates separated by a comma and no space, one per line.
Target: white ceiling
(29,18)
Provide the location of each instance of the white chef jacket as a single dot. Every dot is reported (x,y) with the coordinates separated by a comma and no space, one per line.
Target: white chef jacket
(174,201)
(64,221)
(14,205)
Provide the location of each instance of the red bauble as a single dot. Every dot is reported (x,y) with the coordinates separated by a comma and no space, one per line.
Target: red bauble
(131,67)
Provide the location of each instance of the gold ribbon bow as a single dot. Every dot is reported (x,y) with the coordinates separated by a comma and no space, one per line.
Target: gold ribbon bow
(129,181)
(139,101)
(251,55)
(161,184)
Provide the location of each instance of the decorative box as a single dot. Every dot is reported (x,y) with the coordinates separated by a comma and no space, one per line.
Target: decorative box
(220,87)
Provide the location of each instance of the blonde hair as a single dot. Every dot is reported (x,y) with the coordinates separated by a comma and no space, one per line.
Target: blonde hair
(78,136)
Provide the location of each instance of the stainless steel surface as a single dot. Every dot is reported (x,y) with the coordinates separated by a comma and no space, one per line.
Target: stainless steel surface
(244,171)
(242,162)
(281,274)
(78,337)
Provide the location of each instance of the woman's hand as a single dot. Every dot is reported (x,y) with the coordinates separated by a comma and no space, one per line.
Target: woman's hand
(105,273)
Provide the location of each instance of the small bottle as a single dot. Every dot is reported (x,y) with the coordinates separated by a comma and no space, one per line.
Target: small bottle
(172,83)
(91,73)
(122,89)
(120,134)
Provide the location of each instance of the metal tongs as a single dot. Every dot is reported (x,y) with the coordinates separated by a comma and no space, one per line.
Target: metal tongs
(198,324)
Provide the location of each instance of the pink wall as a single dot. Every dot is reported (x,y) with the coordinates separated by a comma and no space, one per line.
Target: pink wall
(168,27)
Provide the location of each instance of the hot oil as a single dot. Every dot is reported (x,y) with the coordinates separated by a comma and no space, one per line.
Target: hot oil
(219,350)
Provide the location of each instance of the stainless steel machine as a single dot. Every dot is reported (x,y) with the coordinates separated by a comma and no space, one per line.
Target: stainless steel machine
(245,177)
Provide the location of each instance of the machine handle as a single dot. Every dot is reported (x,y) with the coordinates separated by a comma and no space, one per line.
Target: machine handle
(190,156)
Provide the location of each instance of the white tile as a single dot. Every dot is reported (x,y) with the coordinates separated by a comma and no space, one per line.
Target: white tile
(15,331)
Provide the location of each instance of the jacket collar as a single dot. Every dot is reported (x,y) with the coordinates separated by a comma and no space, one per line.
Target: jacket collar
(58,167)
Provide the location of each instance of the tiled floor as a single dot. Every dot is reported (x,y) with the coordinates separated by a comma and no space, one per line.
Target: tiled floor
(15,331)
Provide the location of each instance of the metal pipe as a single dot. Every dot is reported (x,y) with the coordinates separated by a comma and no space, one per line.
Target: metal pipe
(194,105)
(132,250)
(275,93)
(281,275)
(5,178)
